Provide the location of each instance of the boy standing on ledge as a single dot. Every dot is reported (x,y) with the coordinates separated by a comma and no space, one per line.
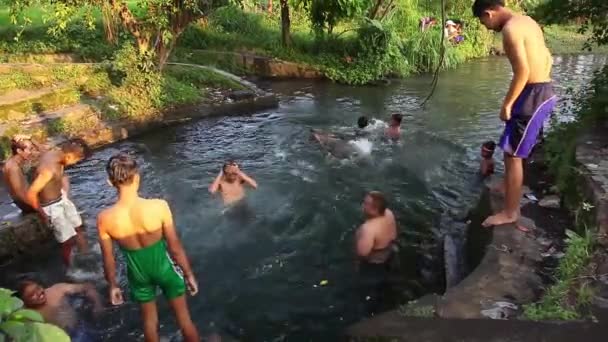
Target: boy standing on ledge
(529,101)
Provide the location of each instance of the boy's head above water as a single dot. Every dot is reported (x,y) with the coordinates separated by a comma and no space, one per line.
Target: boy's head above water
(487,149)
(74,151)
(31,293)
(396,120)
(231,171)
(362,122)
(374,204)
(122,170)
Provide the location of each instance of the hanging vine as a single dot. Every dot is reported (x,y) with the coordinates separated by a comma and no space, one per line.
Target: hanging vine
(441,56)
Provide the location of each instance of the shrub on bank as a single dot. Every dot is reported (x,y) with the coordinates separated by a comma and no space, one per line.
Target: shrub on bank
(361,50)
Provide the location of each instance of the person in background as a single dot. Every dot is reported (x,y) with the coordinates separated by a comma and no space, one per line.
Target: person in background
(54,305)
(155,258)
(394,127)
(486,168)
(229,182)
(529,101)
(450,29)
(427,22)
(48,196)
(22,150)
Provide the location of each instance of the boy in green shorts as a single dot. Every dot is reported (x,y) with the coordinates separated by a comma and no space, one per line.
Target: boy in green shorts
(153,252)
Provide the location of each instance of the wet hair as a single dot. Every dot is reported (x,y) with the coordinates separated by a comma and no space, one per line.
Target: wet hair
(76,146)
(481,6)
(228,163)
(17,145)
(24,284)
(362,122)
(397,118)
(489,145)
(121,169)
(379,200)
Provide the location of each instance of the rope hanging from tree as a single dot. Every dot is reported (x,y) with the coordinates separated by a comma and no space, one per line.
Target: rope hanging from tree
(441,56)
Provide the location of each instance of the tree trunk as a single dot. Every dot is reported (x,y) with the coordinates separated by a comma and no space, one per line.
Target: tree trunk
(285,23)
(269,7)
(374,10)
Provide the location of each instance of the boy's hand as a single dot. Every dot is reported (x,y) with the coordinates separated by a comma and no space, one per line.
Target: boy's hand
(116,296)
(192,285)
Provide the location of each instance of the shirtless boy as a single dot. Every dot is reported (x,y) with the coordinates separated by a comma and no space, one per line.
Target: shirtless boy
(529,101)
(47,195)
(53,304)
(144,231)
(376,236)
(486,167)
(22,150)
(229,182)
(394,127)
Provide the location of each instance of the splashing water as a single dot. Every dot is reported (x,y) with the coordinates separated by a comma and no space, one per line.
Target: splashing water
(364,146)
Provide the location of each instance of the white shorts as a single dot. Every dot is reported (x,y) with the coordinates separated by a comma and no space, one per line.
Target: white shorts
(63,217)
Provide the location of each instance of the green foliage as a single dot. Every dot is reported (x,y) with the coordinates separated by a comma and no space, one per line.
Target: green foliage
(97,84)
(590,14)
(178,93)
(568,297)
(587,109)
(18,324)
(325,15)
(199,77)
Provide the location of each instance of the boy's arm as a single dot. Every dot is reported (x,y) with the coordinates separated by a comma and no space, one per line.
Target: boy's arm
(105,242)
(252,183)
(43,178)
(173,243)
(88,290)
(365,242)
(215,186)
(515,49)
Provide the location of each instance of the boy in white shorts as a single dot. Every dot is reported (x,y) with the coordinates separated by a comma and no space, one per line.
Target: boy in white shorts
(47,195)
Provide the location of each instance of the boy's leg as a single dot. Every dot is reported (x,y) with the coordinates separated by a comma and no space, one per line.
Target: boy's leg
(66,250)
(81,240)
(180,308)
(149,316)
(513,183)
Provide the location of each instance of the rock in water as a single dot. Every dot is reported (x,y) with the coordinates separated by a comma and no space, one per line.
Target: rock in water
(552,202)
(239,95)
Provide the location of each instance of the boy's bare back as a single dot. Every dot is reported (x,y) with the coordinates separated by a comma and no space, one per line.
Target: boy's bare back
(522,34)
(136,225)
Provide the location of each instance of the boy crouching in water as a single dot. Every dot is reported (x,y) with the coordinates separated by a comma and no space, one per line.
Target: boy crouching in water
(487,159)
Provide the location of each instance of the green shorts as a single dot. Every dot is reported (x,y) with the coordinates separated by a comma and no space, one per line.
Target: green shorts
(152,267)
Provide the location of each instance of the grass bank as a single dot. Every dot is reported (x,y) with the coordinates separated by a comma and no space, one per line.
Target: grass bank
(67,99)
(356,52)
(571,295)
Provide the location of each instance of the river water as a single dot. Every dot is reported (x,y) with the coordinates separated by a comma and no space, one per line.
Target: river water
(260,278)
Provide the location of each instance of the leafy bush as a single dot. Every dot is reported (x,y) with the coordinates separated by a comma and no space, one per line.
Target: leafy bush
(18,324)
(176,93)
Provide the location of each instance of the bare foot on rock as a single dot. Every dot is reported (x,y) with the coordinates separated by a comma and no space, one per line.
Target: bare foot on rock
(500,219)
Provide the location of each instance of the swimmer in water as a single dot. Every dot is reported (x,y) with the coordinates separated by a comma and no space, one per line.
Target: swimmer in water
(54,305)
(486,168)
(376,237)
(229,182)
(529,101)
(48,195)
(394,127)
(155,258)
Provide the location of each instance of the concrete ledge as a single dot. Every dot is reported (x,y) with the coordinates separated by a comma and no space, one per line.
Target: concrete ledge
(507,271)
(23,235)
